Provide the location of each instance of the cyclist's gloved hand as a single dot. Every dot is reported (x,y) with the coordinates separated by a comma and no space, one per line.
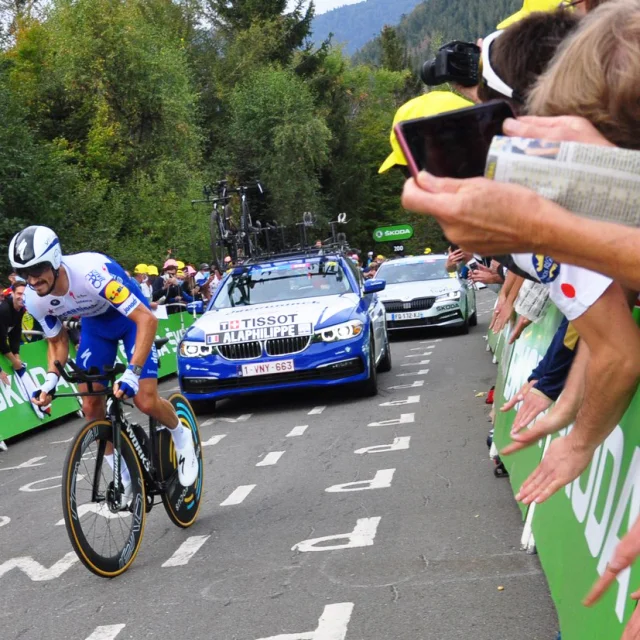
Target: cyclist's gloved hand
(128,384)
(42,397)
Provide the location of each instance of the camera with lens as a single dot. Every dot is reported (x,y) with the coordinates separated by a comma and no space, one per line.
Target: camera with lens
(455,61)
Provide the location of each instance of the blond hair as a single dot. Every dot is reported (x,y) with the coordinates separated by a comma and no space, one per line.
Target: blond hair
(596,74)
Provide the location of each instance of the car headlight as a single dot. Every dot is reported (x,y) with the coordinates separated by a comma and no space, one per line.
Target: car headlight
(194,349)
(342,331)
(451,295)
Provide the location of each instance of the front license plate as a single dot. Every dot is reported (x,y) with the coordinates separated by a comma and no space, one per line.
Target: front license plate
(264,368)
(409,315)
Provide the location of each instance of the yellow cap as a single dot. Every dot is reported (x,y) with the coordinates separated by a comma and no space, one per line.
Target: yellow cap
(530,6)
(141,268)
(427,251)
(380,257)
(152,271)
(180,264)
(428,104)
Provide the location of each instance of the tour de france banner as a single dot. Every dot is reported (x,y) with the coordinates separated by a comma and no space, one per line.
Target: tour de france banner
(577,530)
(18,414)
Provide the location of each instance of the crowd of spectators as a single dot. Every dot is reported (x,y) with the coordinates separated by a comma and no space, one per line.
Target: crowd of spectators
(570,75)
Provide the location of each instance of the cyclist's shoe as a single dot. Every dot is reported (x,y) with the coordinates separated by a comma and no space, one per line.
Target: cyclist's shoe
(127,495)
(187,461)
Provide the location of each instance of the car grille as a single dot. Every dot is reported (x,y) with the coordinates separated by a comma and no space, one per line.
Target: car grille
(419,304)
(285,346)
(241,351)
(339,370)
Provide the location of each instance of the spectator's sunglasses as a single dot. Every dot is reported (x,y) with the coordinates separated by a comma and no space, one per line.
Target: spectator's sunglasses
(34,271)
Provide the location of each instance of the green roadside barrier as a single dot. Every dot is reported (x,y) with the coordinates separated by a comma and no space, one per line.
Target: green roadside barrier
(577,530)
(16,412)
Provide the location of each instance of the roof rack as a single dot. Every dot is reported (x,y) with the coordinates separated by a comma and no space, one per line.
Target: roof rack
(327,249)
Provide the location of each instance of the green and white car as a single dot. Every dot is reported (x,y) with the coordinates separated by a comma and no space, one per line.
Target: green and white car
(421,293)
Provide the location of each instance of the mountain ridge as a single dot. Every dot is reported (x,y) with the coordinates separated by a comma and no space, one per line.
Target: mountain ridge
(355,24)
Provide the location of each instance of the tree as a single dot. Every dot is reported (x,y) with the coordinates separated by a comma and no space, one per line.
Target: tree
(394,53)
(276,135)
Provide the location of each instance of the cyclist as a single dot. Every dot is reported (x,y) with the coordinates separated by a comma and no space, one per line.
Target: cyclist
(112,307)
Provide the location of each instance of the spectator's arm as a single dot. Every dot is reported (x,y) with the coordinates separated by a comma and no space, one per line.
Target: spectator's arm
(612,376)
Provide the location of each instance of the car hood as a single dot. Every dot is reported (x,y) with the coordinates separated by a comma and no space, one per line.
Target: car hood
(308,314)
(420,289)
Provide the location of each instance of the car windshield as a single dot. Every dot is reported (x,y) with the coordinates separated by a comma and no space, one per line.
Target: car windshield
(397,272)
(282,281)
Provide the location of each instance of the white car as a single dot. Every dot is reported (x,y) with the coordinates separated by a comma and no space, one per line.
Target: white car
(421,293)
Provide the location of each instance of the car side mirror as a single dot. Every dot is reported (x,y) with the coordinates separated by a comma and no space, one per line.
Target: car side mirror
(373,286)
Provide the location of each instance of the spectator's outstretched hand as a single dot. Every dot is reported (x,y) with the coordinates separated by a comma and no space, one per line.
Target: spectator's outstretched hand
(501,316)
(626,552)
(485,275)
(521,325)
(534,404)
(563,462)
(478,214)
(4,378)
(518,396)
(551,423)
(560,129)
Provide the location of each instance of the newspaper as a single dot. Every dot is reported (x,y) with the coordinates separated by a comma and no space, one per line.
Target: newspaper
(602,183)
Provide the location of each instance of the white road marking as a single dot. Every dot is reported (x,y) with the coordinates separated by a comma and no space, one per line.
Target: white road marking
(207,423)
(431,341)
(100,509)
(419,355)
(405,418)
(397,403)
(414,364)
(32,462)
(186,551)
(28,489)
(107,632)
(62,441)
(4,520)
(270,459)
(422,372)
(413,385)
(243,418)
(362,535)
(316,411)
(37,572)
(332,625)
(382,480)
(214,440)
(238,495)
(397,445)
(297,431)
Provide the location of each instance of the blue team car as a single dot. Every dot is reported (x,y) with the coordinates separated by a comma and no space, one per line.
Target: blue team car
(290,322)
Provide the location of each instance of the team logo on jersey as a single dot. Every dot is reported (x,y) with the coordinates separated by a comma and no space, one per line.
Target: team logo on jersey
(116,293)
(95,278)
(546,268)
(55,303)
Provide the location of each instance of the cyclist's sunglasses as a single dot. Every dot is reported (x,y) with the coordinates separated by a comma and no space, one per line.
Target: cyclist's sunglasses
(34,271)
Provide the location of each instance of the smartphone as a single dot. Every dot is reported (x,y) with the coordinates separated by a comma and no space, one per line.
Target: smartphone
(453,144)
(473,265)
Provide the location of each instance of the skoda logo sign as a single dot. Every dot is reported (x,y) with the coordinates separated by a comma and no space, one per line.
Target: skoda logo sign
(378,234)
(394,233)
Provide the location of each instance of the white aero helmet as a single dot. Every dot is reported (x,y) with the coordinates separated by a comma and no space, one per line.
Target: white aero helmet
(34,246)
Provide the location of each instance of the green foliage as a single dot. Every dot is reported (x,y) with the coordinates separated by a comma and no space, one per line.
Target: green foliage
(114,113)
(275,134)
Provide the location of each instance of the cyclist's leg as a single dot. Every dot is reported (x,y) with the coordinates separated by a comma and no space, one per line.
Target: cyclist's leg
(149,401)
(94,350)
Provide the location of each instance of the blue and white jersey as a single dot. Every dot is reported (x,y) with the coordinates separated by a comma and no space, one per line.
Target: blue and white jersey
(98,286)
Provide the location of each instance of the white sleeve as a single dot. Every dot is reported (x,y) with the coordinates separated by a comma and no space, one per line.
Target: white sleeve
(576,289)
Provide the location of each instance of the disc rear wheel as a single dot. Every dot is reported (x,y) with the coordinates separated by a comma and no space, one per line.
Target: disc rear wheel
(181,503)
